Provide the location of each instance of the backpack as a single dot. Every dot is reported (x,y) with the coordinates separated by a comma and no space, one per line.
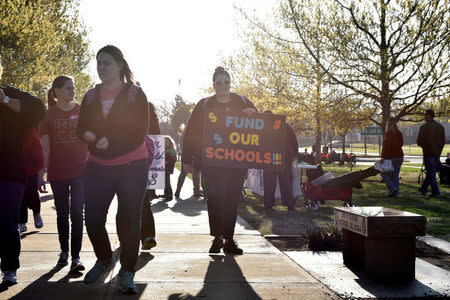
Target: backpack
(32,152)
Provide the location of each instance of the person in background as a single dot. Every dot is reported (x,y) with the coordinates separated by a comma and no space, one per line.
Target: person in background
(65,159)
(171,158)
(30,200)
(113,121)
(223,185)
(284,177)
(148,231)
(20,113)
(431,139)
(392,149)
(182,177)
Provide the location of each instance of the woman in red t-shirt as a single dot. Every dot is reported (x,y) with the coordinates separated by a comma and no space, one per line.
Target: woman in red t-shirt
(65,159)
(392,149)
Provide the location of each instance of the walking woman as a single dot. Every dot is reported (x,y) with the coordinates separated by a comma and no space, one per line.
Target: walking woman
(20,113)
(223,185)
(65,159)
(392,150)
(113,122)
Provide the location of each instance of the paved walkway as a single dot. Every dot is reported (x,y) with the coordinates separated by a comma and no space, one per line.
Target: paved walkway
(178,268)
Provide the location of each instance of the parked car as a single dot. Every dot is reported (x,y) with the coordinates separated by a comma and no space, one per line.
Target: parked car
(337,144)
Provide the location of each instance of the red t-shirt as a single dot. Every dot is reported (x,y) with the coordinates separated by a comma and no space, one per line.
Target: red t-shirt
(67,153)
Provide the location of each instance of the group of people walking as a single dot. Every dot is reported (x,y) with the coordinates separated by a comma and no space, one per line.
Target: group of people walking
(97,150)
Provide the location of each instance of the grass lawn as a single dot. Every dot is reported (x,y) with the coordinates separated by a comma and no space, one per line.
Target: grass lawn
(373,193)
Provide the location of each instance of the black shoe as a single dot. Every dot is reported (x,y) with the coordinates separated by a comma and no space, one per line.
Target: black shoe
(168,197)
(392,194)
(177,194)
(422,193)
(63,258)
(217,244)
(76,265)
(198,194)
(231,247)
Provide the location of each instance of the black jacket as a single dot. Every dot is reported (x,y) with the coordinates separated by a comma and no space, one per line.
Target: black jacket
(125,127)
(12,128)
(431,138)
(193,134)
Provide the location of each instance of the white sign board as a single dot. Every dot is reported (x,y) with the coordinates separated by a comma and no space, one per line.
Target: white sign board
(255,182)
(156,172)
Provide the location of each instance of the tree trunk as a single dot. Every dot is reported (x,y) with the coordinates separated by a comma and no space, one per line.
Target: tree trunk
(343,144)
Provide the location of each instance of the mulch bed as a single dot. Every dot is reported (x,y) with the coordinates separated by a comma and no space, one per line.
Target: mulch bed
(423,251)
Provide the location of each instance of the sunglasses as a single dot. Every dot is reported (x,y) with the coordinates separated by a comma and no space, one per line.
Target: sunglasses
(222,82)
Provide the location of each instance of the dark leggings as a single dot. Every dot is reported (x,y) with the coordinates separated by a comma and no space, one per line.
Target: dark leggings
(30,199)
(128,181)
(147,220)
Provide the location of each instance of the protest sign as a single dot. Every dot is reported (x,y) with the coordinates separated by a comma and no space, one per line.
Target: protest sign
(156,172)
(239,141)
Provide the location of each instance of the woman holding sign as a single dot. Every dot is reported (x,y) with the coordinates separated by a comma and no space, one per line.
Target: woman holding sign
(113,121)
(223,185)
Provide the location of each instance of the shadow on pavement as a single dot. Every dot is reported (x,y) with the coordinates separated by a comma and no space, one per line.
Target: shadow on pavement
(223,280)
(189,207)
(24,235)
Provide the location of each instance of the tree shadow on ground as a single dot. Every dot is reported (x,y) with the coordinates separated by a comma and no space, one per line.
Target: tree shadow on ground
(223,280)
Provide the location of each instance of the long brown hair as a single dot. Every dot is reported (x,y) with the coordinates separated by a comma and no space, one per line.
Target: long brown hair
(392,125)
(125,73)
(57,83)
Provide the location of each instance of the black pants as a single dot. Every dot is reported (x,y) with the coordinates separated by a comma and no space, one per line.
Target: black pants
(168,186)
(30,199)
(223,191)
(147,220)
(195,180)
(286,189)
(128,181)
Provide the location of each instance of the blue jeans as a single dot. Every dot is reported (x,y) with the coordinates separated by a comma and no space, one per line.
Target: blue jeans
(10,196)
(128,181)
(61,190)
(392,178)
(430,163)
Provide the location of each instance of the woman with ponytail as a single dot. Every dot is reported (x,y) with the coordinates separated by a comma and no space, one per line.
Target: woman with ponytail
(65,159)
(114,123)
(392,150)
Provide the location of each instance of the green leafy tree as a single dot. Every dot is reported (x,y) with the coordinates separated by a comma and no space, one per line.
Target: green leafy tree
(393,53)
(40,40)
(280,71)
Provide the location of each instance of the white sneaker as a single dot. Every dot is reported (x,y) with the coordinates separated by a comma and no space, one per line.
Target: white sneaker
(38,223)
(23,227)
(9,277)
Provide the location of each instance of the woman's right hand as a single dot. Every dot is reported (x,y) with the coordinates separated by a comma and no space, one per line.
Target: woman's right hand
(89,137)
(189,168)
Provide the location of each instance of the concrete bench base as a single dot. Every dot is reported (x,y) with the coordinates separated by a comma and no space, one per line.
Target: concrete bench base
(391,259)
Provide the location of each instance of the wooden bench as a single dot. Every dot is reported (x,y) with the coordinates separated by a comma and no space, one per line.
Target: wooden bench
(380,241)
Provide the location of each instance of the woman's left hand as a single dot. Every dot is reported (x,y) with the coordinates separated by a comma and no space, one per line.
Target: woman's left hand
(249,111)
(102,143)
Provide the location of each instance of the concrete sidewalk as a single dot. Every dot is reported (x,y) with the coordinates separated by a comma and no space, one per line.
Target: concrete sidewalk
(178,268)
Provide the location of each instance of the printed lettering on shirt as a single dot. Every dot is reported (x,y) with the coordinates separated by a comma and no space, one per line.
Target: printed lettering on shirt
(65,130)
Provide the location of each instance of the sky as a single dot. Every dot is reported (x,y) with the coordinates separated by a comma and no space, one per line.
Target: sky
(172,47)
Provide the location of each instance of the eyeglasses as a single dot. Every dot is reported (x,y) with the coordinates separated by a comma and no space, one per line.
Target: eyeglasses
(222,82)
